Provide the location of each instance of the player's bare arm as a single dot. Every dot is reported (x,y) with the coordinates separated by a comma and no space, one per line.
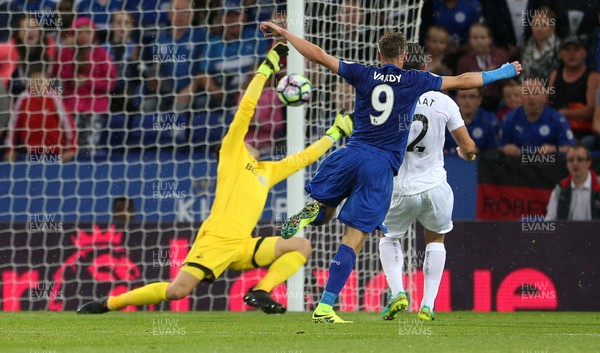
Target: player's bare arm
(466,146)
(309,50)
(478,79)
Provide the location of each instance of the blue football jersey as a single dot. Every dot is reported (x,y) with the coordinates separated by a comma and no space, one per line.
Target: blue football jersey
(385,102)
(551,128)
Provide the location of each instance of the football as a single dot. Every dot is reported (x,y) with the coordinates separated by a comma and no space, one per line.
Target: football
(294,90)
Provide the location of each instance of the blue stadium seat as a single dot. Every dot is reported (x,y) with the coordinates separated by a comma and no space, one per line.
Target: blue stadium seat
(159,130)
(208,128)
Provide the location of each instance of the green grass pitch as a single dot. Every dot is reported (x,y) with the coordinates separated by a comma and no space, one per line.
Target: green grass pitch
(525,332)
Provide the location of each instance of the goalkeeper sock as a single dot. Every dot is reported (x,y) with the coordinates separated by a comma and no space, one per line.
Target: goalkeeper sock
(280,270)
(339,271)
(392,261)
(149,294)
(433,268)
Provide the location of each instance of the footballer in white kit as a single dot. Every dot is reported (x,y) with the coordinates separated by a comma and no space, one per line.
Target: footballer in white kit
(422,193)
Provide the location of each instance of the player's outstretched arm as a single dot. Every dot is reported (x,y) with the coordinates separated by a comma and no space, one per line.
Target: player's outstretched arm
(342,126)
(466,146)
(245,112)
(477,79)
(310,51)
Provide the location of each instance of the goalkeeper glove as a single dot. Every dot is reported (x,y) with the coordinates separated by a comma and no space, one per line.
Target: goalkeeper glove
(273,61)
(342,126)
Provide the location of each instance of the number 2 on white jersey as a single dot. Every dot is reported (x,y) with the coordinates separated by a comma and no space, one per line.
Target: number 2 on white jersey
(413,145)
(385,106)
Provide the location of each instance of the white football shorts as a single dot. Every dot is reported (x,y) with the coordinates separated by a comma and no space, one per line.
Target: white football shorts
(432,208)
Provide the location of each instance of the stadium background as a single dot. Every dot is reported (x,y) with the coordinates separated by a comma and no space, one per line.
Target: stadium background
(61,241)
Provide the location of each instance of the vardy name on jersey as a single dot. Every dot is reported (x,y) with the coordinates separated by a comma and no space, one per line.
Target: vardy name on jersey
(385,102)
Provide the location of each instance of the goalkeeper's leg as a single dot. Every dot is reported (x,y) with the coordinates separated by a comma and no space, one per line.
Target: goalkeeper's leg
(285,258)
(152,293)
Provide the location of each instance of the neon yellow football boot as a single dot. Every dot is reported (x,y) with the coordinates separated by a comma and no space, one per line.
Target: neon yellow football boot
(329,317)
(300,220)
(426,314)
(394,306)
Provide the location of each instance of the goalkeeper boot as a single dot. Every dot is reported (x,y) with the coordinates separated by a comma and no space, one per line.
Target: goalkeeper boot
(394,306)
(262,300)
(329,317)
(95,307)
(300,220)
(426,314)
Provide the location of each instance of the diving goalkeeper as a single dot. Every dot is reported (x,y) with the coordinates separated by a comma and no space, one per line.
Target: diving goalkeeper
(224,239)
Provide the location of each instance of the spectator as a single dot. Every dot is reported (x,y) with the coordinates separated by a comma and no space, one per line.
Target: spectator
(124,53)
(351,33)
(482,126)
(456,16)
(32,47)
(511,98)
(575,17)
(123,210)
(4,110)
(484,57)
(169,83)
(574,87)
(33,6)
(534,127)
(576,197)
(99,11)
(66,14)
(436,47)
(540,54)
(268,126)
(229,56)
(592,142)
(88,76)
(594,46)
(509,22)
(6,14)
(149,15)
(39,123)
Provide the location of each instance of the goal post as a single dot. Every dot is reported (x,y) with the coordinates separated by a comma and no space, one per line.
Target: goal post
(295,142)
(125,209)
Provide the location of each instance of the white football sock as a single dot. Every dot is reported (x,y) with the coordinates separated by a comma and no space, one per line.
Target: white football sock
(392,260)
(433,268)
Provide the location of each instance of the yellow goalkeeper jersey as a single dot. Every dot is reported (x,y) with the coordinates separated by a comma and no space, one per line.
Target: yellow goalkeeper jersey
(243,183)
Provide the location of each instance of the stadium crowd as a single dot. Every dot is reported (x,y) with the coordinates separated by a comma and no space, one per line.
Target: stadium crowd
(82,77)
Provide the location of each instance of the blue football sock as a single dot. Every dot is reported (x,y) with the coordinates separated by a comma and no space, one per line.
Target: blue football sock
(339,271)
(320,219)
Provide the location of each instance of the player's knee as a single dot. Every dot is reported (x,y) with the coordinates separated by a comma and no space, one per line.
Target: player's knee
(177,291)
(304,247)
(431,237)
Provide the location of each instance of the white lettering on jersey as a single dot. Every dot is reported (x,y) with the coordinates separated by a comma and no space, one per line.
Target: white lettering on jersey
(386,78)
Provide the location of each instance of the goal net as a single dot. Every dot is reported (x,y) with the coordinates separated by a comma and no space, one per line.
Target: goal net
(109,120)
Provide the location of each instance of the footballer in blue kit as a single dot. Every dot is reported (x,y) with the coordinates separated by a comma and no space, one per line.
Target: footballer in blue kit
(363,172)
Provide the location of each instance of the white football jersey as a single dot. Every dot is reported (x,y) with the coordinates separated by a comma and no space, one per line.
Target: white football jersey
(423,166)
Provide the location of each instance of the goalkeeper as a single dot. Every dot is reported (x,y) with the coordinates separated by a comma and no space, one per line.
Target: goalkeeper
(224,239)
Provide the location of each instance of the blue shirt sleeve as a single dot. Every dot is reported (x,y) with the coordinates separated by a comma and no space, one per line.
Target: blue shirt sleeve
(506,131)
(493,127)
(427,81)
(564,135)
(352,72)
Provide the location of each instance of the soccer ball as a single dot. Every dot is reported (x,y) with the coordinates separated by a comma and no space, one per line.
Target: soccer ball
(294,90)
